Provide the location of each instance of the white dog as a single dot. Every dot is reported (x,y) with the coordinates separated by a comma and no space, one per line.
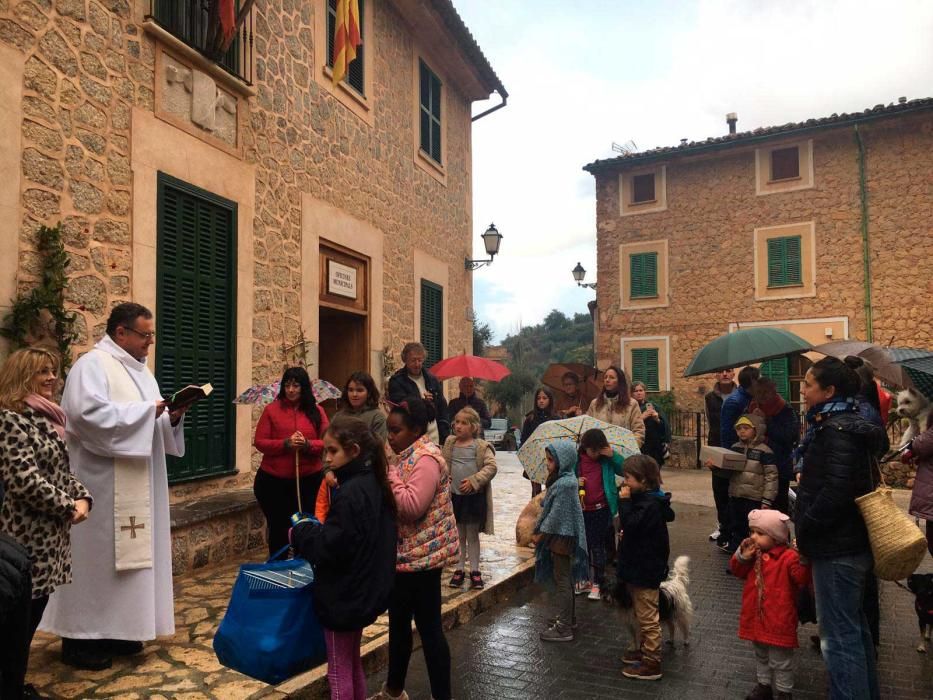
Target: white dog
(915,407)
(675,608)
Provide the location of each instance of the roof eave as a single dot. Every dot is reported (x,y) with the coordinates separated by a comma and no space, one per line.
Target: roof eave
(750,138)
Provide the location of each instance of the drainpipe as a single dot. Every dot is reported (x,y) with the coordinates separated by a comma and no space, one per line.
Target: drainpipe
(866,248)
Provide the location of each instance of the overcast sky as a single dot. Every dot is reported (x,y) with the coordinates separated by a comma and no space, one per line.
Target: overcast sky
(583,74)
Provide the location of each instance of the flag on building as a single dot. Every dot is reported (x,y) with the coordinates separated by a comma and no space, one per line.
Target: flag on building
(227,10)
(346,37)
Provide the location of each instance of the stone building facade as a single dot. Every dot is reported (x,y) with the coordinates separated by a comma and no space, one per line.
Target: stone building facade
(245,198)
(813,227)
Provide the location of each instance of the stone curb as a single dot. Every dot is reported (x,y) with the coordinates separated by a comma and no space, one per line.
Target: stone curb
(312,685)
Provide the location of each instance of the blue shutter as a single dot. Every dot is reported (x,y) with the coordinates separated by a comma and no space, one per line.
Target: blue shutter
(195,317)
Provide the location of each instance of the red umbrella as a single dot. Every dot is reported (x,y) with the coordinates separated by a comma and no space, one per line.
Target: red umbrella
(470,366)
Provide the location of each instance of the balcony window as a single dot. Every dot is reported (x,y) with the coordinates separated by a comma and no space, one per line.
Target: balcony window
(191,21)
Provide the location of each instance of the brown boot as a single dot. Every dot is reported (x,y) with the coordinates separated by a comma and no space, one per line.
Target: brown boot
(647,670)
(631,657)
(760,692)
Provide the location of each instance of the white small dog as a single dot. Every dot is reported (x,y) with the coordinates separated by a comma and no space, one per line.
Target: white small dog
(915,407)
(675,608)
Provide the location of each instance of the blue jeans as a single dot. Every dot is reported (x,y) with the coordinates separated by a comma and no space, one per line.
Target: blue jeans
(839,584)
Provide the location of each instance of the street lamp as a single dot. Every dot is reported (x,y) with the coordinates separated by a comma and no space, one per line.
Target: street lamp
(491,241)
(578,274)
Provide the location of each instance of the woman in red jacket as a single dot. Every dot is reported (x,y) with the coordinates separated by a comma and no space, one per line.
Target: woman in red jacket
(291,425)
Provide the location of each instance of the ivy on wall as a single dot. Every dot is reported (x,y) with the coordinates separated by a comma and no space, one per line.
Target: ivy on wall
(38,317)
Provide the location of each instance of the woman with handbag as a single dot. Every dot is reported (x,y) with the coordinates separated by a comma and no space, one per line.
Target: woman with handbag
(838,467)
(289,436)
(43,498)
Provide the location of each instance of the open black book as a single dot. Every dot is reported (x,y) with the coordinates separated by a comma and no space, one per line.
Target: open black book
(188,395)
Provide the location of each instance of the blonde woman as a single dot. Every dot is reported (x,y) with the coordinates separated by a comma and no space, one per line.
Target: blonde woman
(43,499)
(472,463)
(615,404)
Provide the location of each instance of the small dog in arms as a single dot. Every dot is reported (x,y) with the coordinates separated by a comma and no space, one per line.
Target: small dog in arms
(675,609)
(915,407)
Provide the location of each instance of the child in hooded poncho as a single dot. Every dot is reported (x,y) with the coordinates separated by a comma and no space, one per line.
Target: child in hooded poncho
(560,539)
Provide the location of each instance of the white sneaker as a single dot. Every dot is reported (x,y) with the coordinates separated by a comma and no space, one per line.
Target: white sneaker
(582,588)
(714,535)
(594,593)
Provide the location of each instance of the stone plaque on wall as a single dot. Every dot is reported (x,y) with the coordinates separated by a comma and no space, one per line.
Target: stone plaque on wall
(193,100)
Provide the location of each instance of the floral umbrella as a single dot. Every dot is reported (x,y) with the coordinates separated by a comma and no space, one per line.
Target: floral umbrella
(263,394)
(531,454)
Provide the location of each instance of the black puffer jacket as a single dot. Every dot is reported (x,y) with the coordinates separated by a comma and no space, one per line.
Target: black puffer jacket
(402,387)
(645,546)
(838,467)
(353,552)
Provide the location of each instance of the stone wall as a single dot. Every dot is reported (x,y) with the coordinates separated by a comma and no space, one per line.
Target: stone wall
(712,211)
(89,63)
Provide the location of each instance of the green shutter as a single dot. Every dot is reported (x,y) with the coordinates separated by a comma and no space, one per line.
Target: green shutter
(778,371)
(195,317)
(432,322)
(645,368)
(785,268)
(430,100)
(643,273)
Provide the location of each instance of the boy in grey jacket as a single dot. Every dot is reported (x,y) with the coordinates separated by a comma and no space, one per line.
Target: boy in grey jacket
(756,486)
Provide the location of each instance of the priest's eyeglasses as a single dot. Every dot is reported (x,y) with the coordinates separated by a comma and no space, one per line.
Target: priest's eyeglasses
(145,336)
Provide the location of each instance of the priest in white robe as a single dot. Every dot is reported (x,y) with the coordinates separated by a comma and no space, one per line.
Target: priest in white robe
(118,434)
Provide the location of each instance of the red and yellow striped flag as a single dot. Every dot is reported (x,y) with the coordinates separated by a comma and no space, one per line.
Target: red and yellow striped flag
(346,37)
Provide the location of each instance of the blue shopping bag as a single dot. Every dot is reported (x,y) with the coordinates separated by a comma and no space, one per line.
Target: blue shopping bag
(270,630)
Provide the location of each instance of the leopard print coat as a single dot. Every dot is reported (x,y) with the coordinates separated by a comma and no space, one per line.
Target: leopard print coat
(40,495)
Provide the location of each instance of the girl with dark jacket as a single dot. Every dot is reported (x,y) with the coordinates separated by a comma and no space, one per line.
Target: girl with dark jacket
(353,552)
(542,412)
(838,466)
(657,429)
(289,437)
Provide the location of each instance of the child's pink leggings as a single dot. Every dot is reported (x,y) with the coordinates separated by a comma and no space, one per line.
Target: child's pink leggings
(344,667)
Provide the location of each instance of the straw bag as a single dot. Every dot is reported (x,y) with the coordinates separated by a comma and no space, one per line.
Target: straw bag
(896,542)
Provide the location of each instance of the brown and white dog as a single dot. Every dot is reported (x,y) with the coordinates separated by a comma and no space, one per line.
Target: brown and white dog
(916,408)
(675,609)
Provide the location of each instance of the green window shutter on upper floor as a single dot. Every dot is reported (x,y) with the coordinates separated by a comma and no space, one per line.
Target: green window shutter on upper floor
(195,317)
(645,368)
(432,322)
(643,275)
(778,371)
(784,261)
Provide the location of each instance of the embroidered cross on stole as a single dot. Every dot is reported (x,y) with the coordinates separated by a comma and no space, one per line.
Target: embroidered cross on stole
(132,512)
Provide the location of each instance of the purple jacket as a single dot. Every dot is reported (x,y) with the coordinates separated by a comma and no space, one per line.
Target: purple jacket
(921,501)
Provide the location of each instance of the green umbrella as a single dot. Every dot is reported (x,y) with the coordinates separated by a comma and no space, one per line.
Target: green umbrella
(743,347)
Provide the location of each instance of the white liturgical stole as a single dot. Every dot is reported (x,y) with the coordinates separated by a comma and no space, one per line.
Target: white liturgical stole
(132,513)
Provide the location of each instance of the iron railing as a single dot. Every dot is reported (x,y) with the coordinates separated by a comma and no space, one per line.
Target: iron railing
(693,425)
(192,22)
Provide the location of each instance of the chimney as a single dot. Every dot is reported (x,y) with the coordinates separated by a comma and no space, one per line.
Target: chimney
(731,120)
(902,100)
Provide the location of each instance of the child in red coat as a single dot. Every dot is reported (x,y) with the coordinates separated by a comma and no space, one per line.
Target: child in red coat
(773,574)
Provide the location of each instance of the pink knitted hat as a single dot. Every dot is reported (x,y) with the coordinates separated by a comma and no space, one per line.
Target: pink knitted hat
(771,522)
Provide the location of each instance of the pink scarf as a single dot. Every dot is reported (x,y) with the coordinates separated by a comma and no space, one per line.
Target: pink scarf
(50,410)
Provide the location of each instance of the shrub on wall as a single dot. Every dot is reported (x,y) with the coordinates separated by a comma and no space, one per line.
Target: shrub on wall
(38,317)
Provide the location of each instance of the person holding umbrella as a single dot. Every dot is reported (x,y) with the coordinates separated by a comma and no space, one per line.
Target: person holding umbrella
(289,436)
(469,399)
(571,402)
(542,412)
